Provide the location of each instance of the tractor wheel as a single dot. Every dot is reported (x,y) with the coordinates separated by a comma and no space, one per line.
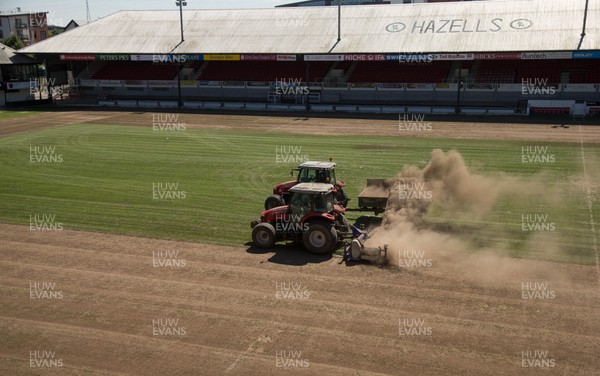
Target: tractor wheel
(263,235)
(320,238)
(274,201)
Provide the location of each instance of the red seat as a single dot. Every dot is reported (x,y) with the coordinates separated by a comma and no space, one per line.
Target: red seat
(136,71)
(270,71)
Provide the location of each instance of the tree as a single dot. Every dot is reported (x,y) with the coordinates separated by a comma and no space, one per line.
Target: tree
(55,30)
(13,42)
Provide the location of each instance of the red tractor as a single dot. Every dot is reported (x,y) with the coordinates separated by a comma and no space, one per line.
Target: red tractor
(312,218)
(308,172)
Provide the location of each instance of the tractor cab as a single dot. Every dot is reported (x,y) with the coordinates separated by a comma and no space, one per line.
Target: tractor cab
(310,198)
(316,172)
(308,172)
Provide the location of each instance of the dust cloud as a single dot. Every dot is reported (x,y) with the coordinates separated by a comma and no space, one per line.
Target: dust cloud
(446,187)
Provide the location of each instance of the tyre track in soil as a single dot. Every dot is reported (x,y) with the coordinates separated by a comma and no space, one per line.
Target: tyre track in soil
(225,298)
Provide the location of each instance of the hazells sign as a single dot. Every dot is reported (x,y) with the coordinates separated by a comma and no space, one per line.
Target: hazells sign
(458,25)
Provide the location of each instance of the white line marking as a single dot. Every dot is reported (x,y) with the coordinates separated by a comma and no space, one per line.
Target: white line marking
(250,349)
(590,204)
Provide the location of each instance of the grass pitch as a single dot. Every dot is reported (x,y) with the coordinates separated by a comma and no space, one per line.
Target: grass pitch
(215,181)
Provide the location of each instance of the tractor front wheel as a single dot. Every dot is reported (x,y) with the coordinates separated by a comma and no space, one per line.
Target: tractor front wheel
(320,238)
(274,201)
(263,235)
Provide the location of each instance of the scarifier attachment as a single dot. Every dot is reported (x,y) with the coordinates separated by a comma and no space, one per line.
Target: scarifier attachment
(356,249)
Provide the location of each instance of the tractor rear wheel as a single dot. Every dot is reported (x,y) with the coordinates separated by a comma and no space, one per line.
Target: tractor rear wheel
(274,201)
(320,238)
(263,235)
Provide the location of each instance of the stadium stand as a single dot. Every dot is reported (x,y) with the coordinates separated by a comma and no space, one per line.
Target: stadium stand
(497,71)
(394,72)
(232,57)
(136,71)
(262,71)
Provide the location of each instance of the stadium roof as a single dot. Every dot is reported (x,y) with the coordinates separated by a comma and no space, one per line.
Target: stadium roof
(8,56)
(457,27)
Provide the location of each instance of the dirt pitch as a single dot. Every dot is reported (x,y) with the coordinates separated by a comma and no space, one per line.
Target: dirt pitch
(108,310)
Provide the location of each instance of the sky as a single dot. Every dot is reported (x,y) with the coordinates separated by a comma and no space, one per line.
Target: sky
(63,11)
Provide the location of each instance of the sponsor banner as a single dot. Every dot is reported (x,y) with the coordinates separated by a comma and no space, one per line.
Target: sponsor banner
(481,86)
(113,57)
(194,57)
(363,57)
(233,83)
(546,55)
(78,57)
(141,57)
(162,83)
(324,57)
(420,86)
(221,57)
(18,85)
(189,83)
(88,83)
(453,56)
(287,58)
(259,57)
(442,85)
(135,83)
(258,84)
(391,86)
(210,83)
(498,56)
(110,83)
(586,55)
(175,58)
(363,85)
